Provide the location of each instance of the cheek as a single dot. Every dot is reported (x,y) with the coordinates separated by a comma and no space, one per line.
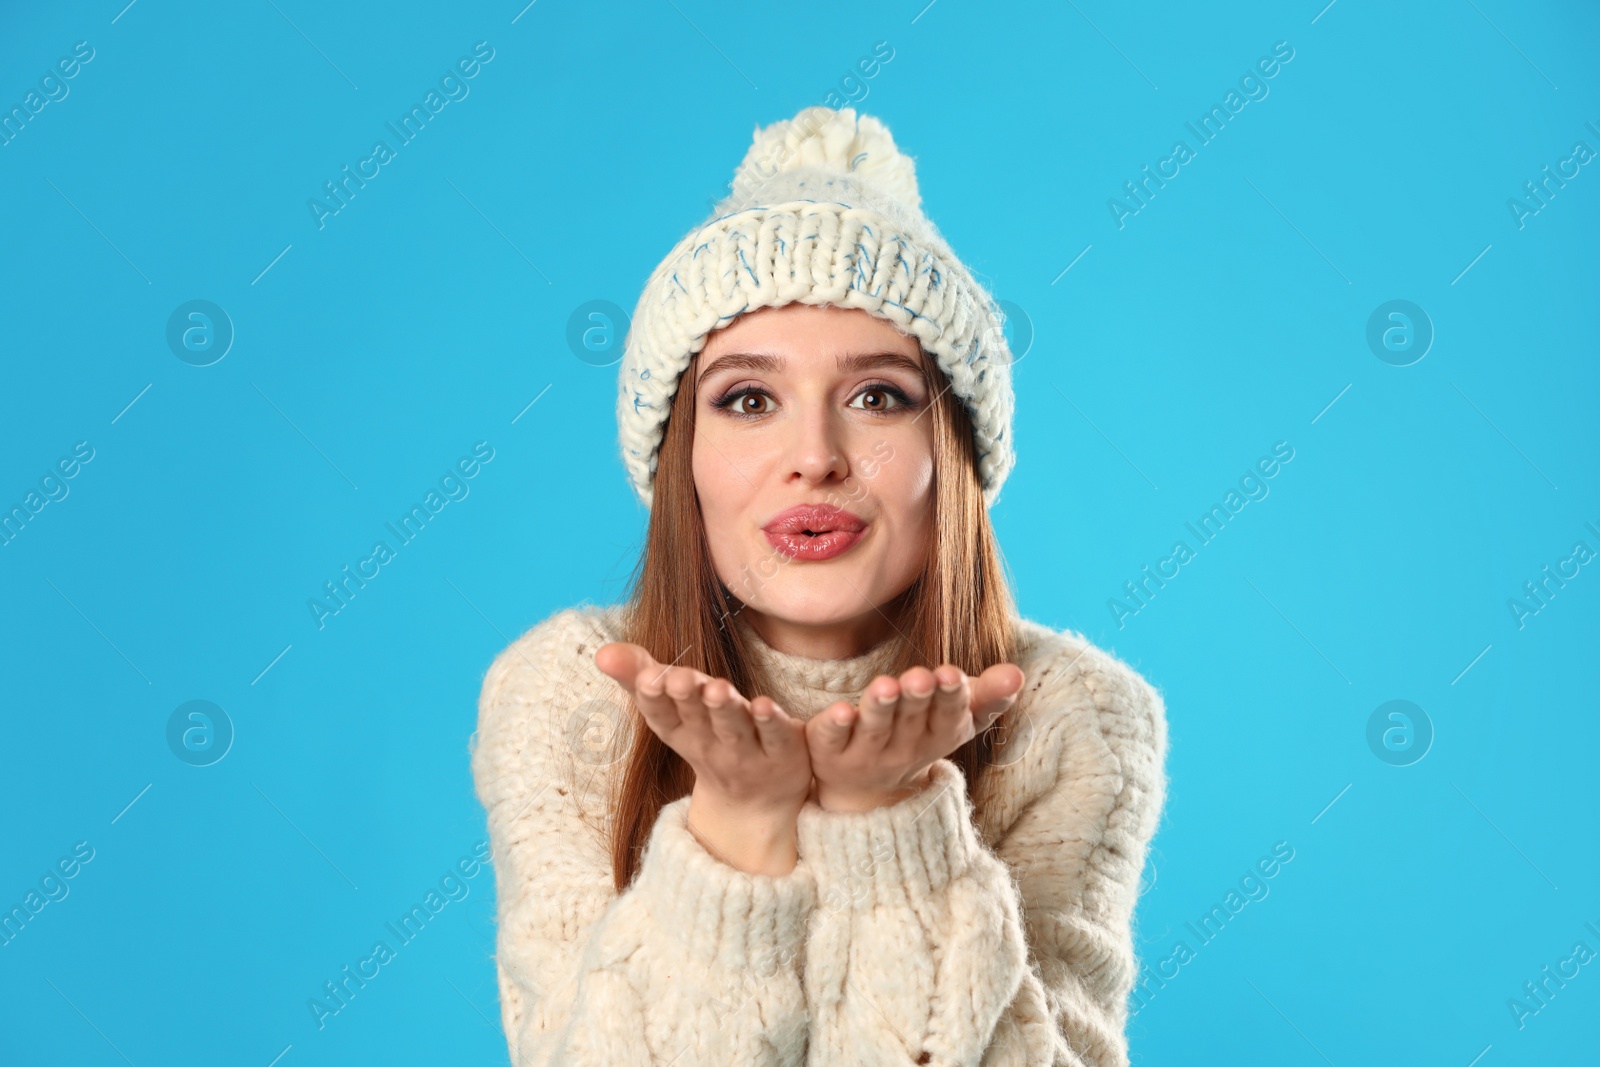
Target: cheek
(711,475)
(724,467)
(904,491)
(902,487)
(723,497)
(904,481)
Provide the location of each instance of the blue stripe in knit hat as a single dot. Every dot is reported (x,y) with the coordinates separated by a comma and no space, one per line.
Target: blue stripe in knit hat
(823,210)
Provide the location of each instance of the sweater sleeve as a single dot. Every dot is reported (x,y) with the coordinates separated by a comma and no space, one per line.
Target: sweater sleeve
(925,948)
(695,962)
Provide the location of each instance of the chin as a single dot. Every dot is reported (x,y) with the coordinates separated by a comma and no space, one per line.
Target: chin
(821,595)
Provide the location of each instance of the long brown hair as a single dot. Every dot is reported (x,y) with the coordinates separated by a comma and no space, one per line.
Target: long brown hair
(959,609)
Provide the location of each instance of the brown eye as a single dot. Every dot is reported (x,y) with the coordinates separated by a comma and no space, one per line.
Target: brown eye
(880,399)
(743,403)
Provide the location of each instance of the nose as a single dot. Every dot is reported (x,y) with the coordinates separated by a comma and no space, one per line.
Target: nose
(818,456)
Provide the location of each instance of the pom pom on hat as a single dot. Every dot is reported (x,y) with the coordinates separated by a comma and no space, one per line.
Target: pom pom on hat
(838,141)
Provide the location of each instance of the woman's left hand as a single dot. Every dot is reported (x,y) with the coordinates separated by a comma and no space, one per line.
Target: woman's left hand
(881,753)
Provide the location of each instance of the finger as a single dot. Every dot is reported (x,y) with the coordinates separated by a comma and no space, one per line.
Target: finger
(649,692)
(683,685)
(993,691)
(829,729)
(951,700)
(916,697)
(622,661)
(777,730)
(878,707)
(729,717)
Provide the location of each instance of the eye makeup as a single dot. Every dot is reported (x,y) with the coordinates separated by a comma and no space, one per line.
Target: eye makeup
(902,400)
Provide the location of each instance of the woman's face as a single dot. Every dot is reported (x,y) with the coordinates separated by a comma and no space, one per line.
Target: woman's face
(814,405)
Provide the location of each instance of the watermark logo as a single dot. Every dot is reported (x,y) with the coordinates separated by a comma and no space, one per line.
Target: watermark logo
(1016,329)
(596,331)
(199,733)
(591,730)
(1013,735)
(199,332)
(1399,332)
(1399,733)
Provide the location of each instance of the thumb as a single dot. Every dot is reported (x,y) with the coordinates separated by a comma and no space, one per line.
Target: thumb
(996,689)
(623,660)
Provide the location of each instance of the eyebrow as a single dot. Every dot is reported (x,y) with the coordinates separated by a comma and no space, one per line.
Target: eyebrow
(753,361)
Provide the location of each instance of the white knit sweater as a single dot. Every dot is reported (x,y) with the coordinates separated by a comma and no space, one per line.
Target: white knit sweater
(926,932)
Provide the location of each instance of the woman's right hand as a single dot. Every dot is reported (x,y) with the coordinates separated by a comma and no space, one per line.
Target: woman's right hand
(751,763)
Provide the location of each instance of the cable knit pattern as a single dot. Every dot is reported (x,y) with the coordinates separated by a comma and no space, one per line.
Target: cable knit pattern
(928,931)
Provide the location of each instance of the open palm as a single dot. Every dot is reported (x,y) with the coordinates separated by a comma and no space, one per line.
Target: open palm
(881,751)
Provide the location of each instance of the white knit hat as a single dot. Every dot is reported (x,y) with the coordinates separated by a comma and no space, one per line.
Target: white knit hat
(823,210)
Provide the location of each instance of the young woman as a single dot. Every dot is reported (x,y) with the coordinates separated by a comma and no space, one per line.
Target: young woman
(816,794)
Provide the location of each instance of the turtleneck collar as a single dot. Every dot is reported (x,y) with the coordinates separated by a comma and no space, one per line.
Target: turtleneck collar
(803,685)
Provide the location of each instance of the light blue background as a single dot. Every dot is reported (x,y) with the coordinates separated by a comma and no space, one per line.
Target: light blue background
(1226,315)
